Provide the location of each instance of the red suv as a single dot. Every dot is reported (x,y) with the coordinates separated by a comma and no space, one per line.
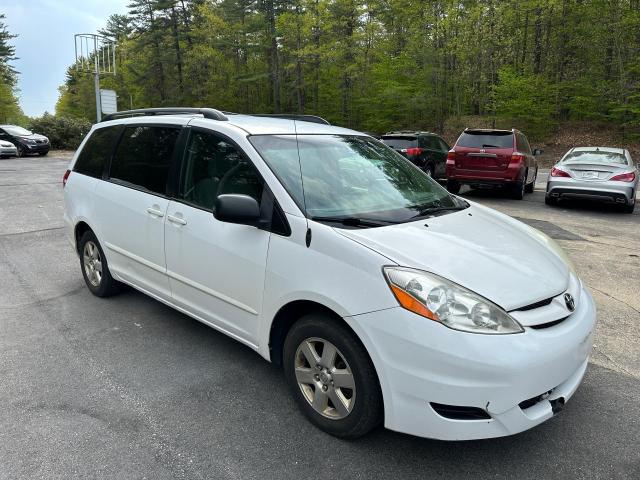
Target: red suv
(492,158)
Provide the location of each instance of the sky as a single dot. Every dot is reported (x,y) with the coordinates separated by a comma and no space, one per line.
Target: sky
(45,45)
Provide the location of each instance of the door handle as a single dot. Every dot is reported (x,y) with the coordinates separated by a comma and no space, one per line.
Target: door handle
(155,211)
(176,220)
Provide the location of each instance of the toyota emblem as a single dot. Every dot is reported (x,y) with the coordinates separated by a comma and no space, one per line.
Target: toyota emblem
(570,302)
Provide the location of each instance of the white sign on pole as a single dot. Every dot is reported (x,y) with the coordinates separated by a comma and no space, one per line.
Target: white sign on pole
(109,102)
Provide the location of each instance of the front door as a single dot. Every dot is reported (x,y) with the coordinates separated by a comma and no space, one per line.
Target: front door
(216,269)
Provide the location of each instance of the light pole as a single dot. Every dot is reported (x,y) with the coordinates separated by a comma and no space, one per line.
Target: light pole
(95,54)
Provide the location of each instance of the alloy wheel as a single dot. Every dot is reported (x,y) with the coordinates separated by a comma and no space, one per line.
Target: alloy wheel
(325,378)
(92,262)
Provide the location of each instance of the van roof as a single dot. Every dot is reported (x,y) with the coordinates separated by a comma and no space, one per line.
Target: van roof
(251,124)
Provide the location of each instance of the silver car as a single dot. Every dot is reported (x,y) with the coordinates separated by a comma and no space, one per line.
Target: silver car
(8,149)
(596,173)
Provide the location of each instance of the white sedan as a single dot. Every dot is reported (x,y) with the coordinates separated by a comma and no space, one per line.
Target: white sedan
(8,149)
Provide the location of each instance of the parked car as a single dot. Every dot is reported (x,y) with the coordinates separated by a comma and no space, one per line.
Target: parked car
(382,296)
(595,173)
(424,149)
(8,149)
(493,158)
(25,141)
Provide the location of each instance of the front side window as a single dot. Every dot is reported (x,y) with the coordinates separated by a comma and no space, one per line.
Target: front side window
(144,156)
(214,167)
(97,151)
(350,176)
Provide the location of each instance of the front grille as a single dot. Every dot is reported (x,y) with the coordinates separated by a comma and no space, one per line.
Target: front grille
(456,412)
(548,324)
(541,303)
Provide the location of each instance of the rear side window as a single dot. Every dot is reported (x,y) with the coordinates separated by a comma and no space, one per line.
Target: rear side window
(144,156)
(486,140)
(97,151)
(522,143)
(400,142)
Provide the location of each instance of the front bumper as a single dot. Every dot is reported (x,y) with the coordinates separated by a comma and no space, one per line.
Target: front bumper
(609,192)
(36,148)
(420,362)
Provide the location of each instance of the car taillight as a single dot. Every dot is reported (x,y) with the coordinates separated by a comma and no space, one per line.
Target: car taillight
(556,172)
(624,177)
(414,152)
(65,177)
(517,157)
(451,155)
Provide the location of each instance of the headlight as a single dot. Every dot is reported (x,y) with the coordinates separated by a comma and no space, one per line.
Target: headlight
(456,307)
(29,141)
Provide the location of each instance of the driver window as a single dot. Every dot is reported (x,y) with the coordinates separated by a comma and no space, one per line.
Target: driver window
(214,167)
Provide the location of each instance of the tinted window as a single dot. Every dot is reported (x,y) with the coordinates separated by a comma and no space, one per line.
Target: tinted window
(213,167)
(400,142)
(596,157)
(144,156)
(17,131)
(97,151)
(431,143)
(443,145)
(349,176)
(522,143)
(486,140)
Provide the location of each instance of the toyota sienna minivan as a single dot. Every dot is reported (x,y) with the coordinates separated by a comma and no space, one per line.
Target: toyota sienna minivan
(384,298)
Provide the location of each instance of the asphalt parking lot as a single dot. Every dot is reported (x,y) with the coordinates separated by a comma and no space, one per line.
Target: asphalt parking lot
(129,388)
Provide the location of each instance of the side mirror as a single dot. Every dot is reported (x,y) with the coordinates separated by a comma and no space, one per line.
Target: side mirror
(234,208)
(537,151)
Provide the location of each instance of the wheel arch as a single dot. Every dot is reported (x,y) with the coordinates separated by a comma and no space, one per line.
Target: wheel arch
(79,230)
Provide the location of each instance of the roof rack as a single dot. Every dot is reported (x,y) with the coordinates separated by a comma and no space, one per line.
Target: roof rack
(291,116)
(211,113)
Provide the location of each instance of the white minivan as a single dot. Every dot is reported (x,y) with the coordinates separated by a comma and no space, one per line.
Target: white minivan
(384,298)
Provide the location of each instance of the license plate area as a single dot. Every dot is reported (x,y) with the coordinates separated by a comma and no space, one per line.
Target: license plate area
(590,175)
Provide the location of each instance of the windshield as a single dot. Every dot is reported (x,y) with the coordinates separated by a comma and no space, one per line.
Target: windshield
(486,140)
(350,176)
(15,130)
(596,157)
(400,142)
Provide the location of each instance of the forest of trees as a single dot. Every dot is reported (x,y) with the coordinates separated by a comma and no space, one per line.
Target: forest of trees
(10,111)
(378,64)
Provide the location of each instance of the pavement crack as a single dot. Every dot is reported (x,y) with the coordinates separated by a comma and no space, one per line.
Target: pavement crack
(614,363)
(30,231)
(615,298)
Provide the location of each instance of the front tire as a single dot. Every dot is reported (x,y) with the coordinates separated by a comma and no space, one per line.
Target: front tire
(21,151)
(332,377)
(95,269)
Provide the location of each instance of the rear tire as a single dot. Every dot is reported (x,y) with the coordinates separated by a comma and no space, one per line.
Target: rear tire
(95,269)
(347,375)
(518,189)
(453,187)
(430,170)
(629,208)
(550,200)
(530,187)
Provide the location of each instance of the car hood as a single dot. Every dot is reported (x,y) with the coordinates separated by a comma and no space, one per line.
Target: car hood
(500,258)
(34,136)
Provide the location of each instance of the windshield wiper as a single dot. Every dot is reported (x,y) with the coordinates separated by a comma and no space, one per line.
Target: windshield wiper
(433,211)
(355,221)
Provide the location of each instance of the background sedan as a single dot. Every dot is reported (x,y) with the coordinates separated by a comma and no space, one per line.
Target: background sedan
(595,173)
(8,149)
